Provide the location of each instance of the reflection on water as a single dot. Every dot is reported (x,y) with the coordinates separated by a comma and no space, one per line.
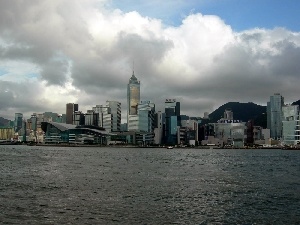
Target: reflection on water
(51,185)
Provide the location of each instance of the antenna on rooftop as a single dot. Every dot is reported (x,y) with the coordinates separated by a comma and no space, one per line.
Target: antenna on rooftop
(133,67)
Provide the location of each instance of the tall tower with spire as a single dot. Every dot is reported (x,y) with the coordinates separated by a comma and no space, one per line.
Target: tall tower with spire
(133,99)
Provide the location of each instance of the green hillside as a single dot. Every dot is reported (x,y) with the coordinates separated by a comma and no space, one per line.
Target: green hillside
(242,111)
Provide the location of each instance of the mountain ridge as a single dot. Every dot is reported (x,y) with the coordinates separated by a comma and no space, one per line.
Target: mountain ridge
(4,122)
(243,112)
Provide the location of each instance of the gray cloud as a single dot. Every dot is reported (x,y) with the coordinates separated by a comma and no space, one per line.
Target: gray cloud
(85,54)
(135,47)
(111,72)
(21,97)
(285,63)
(55,72)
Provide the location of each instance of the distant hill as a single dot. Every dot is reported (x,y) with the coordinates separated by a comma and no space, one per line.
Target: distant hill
(296,102)
(243,112)
(4,122)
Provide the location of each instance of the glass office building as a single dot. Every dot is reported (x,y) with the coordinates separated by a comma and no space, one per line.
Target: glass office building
(18,121)
(109,115)
(290,125)
(172,114)
(133,123)
(146,112)
(274,112)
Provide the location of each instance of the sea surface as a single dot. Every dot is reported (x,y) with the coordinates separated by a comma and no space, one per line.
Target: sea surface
(96,185)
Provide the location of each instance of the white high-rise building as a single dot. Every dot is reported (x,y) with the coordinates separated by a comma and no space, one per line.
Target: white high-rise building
(115,112)
(109,115)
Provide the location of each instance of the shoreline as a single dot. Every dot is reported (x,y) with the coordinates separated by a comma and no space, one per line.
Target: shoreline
(135,146)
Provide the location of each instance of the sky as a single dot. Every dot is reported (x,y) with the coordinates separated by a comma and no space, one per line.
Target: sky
(203,53)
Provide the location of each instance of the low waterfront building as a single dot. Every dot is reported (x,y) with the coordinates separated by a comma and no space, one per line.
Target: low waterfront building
(132,138)
(212,141)
(227,131)
(7,133)
(57,133)
(188,131)
(232,132)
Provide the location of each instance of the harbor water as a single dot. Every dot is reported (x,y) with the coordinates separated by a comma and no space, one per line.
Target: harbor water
(97,185)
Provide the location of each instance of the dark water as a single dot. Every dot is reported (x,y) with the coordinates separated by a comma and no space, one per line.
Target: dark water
(50,185)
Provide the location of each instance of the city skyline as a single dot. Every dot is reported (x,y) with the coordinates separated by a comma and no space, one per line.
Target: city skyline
(201,53)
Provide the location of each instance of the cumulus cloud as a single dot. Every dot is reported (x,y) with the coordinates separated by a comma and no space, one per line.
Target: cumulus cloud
(55,52)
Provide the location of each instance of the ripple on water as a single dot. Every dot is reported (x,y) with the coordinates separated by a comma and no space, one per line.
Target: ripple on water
(148,186)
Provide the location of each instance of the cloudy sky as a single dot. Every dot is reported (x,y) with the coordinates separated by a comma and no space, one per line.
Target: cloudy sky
(203,53)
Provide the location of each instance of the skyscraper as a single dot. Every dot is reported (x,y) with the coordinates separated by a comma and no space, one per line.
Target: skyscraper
(18,121)
(133,99)
(290,124)
(91,118)
(100,110)
(109,115)
(70,109)
(172,114)
(274,113)
(146,111)
(158,127)
(115,115)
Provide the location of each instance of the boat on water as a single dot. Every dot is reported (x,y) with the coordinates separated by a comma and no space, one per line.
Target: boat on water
(169,147)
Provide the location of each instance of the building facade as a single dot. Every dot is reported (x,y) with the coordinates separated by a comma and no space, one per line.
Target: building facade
(18,121)
(62,133)
(71,108)
(226,132)
(109,115)
(146,113)
(290,125)
(100,110)
(91,118)
(274,113)
(189,131)
(113,118)
(78,118)
(159,120)
(231,132)
(172,114)
(6,133)
(133,99)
